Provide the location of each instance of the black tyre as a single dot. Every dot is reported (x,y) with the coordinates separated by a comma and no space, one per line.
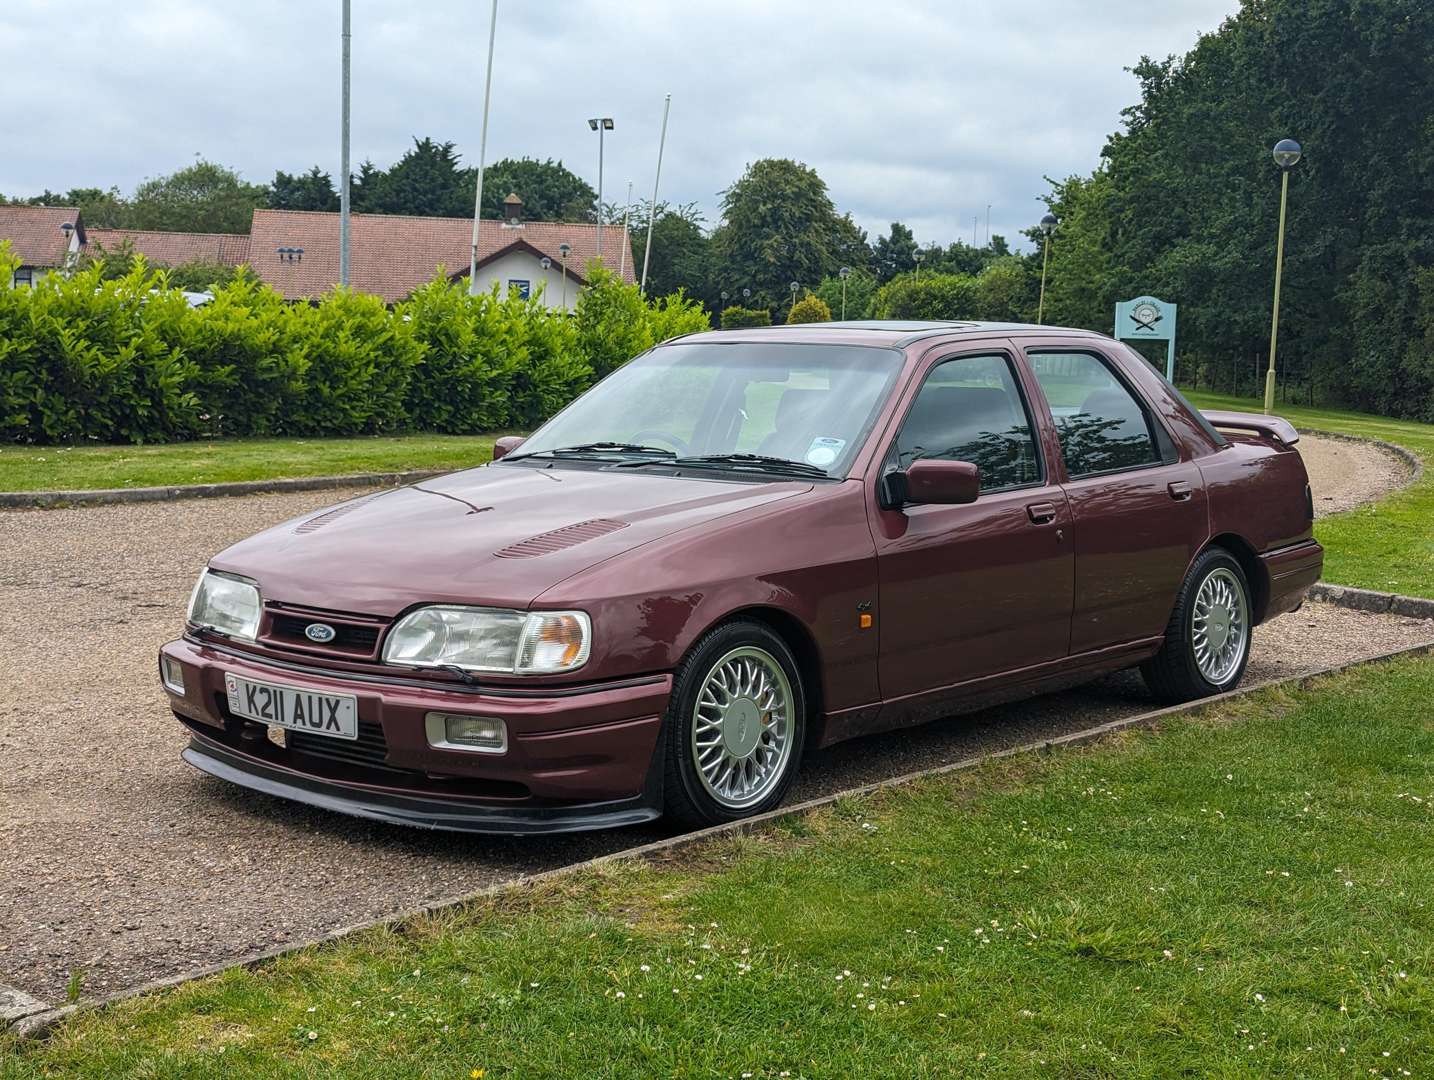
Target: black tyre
(735,726)
(1207,642)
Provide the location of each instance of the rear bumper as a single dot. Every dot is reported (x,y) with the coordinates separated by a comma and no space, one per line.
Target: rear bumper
(1290,572)
(578,757)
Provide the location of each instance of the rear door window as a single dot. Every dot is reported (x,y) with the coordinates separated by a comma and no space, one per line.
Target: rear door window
(1102,426)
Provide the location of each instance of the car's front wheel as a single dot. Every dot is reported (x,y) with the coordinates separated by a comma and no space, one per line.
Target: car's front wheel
(735,726)
(1207,642)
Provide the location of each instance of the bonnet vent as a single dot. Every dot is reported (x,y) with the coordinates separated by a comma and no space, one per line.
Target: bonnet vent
(328,516)
(569,535)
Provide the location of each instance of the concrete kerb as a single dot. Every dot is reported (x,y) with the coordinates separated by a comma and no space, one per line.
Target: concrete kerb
(52,500)
(41,1019)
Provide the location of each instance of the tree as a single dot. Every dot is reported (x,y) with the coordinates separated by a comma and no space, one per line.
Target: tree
(549,190)
(778,226)
(894,253)
(427,181)
(203,197)
(680,251)
(313,190)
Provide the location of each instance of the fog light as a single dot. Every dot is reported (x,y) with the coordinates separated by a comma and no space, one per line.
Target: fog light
(171,673)
(455,731)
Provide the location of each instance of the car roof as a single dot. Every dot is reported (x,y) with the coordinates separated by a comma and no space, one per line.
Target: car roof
(890,333)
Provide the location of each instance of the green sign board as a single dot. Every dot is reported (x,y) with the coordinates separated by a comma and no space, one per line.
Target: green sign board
(1148,319)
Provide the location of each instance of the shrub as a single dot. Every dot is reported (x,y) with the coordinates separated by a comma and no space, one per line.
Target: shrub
(934,296)
(734,318)
(249,375)
(355,360)
(125,358)
(809,309)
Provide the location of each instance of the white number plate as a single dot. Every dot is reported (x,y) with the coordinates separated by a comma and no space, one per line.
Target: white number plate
(335,715)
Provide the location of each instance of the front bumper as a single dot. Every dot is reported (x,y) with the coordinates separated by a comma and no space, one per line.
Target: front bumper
(578,757)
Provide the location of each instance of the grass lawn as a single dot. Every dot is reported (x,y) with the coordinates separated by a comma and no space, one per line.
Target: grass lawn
(54,468)
(1387,546)
(1245,893)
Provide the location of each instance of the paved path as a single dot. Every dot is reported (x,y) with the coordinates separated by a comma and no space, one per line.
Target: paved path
(120,861)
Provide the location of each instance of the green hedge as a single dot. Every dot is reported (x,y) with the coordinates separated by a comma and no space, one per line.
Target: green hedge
(125,359)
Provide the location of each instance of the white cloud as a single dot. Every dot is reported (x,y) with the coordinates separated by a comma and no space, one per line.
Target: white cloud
(911,110)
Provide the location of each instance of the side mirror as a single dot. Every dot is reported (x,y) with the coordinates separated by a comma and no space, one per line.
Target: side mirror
(505,446)
(935,480)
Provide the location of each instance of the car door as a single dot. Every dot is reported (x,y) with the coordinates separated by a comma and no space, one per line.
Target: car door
(1138,512)
(971,590)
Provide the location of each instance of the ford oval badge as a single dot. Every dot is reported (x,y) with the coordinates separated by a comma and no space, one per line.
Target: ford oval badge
(320,632)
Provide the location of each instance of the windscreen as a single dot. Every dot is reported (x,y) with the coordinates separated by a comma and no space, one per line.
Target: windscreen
(812,404)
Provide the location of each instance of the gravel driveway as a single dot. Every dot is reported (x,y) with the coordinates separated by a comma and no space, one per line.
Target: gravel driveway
(123,863)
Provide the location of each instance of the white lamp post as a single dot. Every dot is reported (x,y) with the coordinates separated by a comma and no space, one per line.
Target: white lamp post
(600,124)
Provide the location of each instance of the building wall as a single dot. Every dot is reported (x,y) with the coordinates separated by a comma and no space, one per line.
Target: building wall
(522,266)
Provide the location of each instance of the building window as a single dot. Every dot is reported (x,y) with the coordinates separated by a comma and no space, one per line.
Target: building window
(520,288)
(24,276)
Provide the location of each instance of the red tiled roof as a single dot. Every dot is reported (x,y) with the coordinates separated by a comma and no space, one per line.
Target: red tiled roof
(34,232)
(391,255)
(175,248)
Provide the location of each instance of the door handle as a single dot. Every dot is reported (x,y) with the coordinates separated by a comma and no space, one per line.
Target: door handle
(1179,490)
(1041,513)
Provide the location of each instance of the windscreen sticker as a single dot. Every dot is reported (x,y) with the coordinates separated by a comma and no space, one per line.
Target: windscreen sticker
(824,450)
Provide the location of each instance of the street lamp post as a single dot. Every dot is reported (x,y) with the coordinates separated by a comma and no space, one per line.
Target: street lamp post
(1048,226)
(843,273)
(565,249)
(794,286)
(917,257)
(1287,155)
(600,124)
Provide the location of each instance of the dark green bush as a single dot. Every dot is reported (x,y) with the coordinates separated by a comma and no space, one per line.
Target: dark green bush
(934,296)
(125,359)
(734,318)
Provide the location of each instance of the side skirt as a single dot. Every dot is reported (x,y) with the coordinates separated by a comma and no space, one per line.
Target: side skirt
(986,691)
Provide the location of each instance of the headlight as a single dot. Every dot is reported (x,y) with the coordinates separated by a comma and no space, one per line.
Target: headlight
(227,604)
(491,639)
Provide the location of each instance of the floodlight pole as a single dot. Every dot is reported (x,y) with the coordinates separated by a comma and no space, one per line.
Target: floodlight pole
(344,154)
(482,154)
(652,208)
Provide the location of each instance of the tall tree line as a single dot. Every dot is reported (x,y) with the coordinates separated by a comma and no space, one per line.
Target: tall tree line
(1185,204)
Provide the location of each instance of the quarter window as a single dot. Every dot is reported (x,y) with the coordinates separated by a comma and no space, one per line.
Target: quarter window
(1102,427)
(970,409)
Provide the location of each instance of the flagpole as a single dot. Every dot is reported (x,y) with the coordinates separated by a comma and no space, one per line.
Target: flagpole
(482,154)
(344,158)
(652,210)
(626,243)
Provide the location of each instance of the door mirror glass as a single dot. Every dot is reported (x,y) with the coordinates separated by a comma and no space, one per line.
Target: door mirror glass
(938,480)
(505,446)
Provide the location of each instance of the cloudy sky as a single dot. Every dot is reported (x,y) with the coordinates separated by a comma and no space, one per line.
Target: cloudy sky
(914,110)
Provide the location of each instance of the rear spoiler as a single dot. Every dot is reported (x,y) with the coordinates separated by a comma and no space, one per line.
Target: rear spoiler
(1281,430)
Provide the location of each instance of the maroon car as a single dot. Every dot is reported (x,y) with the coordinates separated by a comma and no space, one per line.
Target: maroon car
(738,546)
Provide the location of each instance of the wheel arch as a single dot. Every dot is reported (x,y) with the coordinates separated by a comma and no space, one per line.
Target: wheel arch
(1244,553)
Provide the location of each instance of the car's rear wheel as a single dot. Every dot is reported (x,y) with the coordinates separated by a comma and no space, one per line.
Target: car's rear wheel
(735,726)
(1207,642)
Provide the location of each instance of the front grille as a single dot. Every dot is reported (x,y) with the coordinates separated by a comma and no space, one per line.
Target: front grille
(368,751)
(347,636)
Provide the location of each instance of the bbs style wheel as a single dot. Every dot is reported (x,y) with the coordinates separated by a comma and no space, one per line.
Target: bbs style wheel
(735,726)
(1207,642)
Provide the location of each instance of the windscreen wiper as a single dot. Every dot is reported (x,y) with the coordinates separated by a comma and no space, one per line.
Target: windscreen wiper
(578,449)
(762,462)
